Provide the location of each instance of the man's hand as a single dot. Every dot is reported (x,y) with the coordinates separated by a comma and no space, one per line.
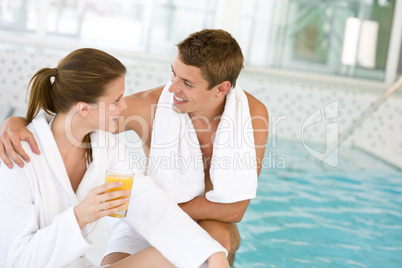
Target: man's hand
(12,132)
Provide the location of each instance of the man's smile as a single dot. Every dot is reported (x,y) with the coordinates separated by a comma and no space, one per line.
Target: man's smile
(179,100)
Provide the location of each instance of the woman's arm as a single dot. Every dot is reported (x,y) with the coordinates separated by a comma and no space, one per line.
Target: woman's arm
(23,243)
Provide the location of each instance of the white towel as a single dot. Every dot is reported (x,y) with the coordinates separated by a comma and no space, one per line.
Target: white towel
(175,159)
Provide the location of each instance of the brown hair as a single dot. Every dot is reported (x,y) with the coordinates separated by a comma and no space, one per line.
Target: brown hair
(82,75)
(216,53)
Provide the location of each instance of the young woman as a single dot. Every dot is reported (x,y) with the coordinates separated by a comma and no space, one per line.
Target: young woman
(49,208)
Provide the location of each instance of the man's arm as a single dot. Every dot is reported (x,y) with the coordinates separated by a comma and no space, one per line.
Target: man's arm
(260,122)
(202,209)
(140,114)
(12,132)
(137,117)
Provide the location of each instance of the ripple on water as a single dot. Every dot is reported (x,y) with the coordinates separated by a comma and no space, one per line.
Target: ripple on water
(315,218)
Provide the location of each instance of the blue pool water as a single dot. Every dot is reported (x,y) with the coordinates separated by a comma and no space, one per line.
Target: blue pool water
(311,215)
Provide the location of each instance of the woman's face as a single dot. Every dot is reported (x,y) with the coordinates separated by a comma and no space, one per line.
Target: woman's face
(104,116)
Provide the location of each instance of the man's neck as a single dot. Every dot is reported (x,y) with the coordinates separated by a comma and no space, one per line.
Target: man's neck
(209,117)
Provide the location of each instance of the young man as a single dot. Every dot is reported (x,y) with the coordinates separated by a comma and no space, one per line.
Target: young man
(204,75)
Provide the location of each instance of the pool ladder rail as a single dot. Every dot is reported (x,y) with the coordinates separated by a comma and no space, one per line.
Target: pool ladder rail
(349,130)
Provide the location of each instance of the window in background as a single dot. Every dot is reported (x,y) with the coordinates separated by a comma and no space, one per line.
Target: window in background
(135,25)
(299,35)
(174,20)
(117,24)
(19,15)
(132,25)
(309,36)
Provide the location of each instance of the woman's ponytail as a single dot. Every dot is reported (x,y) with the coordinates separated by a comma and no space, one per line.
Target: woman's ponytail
(40,93)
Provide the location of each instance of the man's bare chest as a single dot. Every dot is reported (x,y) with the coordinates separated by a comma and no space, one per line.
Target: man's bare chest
(206,141)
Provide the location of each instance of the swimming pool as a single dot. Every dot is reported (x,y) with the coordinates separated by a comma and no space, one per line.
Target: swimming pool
(309,215)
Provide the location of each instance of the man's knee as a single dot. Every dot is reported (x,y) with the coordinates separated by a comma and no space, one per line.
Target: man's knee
(114,257)
(226,240)
(234,240)
(226,234)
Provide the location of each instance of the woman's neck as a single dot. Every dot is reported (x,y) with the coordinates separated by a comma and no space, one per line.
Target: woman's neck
(69,132)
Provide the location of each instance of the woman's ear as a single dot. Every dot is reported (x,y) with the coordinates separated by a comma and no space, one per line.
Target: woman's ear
(223,88)
(82,108)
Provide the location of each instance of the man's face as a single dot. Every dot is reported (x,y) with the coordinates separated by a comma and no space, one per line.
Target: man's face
(191,94)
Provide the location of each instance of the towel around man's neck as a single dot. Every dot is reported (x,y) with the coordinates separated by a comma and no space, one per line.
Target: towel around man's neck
(176,161)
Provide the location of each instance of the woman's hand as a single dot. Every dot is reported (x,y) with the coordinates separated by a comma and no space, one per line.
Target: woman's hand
(12,132)
(218,260)
(98,204)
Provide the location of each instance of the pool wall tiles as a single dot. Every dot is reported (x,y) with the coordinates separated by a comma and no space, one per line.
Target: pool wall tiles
(291,100)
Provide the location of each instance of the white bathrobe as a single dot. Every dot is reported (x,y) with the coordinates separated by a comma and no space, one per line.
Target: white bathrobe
(38,227)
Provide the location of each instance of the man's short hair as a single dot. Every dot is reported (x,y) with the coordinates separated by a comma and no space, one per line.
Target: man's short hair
(216,53)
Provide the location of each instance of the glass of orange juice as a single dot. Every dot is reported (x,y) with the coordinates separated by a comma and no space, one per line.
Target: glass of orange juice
(125,176)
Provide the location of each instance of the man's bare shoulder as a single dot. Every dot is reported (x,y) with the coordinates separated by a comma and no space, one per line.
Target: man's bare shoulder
(257,108)
(140,110)
(139,102)
(148,96)
(260,122)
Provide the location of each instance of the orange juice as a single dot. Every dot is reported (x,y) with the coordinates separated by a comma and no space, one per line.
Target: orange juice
(127,179)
